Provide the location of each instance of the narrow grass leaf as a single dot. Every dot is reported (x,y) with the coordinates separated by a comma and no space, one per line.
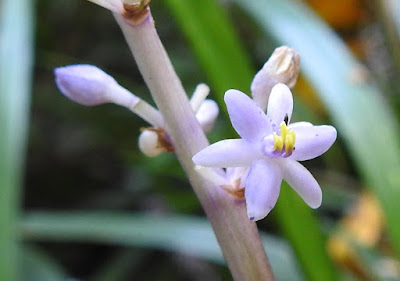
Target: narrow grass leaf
(15,77)
(304,239)
(35,265)
(220,53)
(188,235)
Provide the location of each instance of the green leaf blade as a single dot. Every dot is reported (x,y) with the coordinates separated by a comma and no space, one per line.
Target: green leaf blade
(15,80)
(188,235)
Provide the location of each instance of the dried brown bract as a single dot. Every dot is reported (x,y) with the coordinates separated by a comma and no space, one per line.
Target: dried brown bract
(136,13)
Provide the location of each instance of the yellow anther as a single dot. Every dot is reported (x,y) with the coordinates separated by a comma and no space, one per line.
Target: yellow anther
(289,143)
(278,143)
(286,140)
(284,129)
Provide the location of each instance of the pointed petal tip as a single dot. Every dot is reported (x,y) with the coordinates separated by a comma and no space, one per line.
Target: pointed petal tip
(314,201)
(303,182)
(232,92)
(197,159)
(281,87)
(280,104)
(316,205)
(312,141)
(246,116)
(257,216)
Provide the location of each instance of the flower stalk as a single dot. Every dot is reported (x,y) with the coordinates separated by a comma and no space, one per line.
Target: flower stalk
(237,235)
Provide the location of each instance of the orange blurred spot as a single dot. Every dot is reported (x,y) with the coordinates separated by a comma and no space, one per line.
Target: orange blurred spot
(363,225)
(339,13)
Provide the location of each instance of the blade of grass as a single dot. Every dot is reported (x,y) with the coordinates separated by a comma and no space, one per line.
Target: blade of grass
(205,21)
(189,235)
(363,118)
(212,37)
(120,265)
(35,265)
(303,238)
(15,74)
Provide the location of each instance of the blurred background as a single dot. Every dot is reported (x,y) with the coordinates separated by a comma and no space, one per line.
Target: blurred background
(78,201)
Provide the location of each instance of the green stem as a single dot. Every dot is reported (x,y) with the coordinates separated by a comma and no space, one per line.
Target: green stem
(237,235)
(15,71)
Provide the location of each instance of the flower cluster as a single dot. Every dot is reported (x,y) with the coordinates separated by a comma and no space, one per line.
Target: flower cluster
(268,151)
(89,85)
(270,147)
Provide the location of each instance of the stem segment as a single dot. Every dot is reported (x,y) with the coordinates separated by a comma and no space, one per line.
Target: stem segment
(237,235)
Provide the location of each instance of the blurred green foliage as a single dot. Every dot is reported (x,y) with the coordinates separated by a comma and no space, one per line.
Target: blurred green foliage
(109,213)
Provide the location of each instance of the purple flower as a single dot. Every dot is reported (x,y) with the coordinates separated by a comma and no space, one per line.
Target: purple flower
(271,147)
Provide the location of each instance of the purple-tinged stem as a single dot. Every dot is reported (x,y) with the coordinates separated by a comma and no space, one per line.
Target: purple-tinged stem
(237,235)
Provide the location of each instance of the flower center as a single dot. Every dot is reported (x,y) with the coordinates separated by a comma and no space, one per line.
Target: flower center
(280,145)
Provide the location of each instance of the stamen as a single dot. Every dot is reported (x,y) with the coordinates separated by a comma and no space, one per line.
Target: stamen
(278,143)
(284,129)
(285,141)
(289,144)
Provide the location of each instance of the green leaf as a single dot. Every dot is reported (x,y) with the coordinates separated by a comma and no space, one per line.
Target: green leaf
(189,235)
(120,264)
(35,265)
(363,119)
(15,73)
(220,53)
(303,235)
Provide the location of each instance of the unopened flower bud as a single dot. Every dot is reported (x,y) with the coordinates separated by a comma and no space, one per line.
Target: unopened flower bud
(149,143)
(207,114)
(199,95)
(154,141)
(89,85)
(282,67)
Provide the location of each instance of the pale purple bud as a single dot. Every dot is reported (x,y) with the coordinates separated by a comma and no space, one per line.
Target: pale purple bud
(207,114)
(89,85)
(282,67)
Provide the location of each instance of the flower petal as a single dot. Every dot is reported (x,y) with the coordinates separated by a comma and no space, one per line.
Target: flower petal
(303,182)
(280,105)
(262,188)
(312,141)
(299,124)
(246,116)
(228,153)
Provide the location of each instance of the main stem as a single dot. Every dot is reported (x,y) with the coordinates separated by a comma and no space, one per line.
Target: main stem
(238,237)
